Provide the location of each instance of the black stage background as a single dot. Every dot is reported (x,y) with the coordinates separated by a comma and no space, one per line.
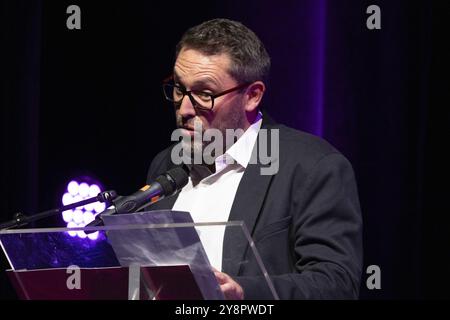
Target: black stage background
(89,101)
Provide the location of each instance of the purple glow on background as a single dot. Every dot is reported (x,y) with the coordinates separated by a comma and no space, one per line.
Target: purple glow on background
(81,216)
(320,66)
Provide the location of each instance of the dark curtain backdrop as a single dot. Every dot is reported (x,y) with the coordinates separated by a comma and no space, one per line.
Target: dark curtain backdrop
(89,101)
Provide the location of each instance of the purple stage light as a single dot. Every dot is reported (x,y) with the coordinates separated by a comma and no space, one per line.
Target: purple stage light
(94,190)
(83,190)
(77,216)
(90,207)
(81,234)
(72,187)
(99,207)
(93,236)
(67,215)
(88,217)
(72,224)
(77,190)
(77,198)
(67,199)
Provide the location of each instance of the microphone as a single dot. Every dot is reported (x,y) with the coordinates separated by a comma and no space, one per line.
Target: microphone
(165,185)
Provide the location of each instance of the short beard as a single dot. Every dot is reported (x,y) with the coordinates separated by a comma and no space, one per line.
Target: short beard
(192,147)
(234,119)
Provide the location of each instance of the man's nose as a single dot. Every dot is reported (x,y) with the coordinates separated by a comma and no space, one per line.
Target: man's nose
(186,107)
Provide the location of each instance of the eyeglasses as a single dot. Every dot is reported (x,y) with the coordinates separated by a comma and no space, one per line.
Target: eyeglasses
(199,99)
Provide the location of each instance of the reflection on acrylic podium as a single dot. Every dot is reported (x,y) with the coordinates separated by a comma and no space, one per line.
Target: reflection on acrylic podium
(150,255)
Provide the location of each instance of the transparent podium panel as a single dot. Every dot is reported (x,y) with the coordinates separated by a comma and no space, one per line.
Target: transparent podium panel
(155,255)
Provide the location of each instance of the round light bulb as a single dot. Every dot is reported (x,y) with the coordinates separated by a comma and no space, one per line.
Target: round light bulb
(72,187)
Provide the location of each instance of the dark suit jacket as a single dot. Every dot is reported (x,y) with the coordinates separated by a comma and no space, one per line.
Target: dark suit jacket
(305,221)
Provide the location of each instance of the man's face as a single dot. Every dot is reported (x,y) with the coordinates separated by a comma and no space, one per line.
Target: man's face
(199,72)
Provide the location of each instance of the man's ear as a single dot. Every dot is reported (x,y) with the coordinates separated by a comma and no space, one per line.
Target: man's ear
(253,95)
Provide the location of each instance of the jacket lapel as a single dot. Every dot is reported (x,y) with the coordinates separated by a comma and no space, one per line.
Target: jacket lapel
(246,207)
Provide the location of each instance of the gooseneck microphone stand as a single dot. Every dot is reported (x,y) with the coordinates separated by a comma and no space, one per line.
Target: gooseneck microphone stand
(20,219)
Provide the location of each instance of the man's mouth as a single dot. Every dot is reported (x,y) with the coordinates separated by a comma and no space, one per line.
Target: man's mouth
(188,131)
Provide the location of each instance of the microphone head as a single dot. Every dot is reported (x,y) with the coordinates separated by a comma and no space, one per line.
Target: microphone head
(173,180)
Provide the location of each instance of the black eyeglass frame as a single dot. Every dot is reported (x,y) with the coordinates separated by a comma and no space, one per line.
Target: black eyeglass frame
(193,101)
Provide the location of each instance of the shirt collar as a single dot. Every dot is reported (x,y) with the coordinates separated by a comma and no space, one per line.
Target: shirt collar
(241,150)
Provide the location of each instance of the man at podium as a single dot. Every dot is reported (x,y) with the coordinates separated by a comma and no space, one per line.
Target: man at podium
(300,204)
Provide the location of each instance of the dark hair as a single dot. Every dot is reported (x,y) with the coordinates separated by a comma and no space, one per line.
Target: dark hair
(250,61)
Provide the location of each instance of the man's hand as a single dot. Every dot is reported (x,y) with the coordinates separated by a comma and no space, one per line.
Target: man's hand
(230,288)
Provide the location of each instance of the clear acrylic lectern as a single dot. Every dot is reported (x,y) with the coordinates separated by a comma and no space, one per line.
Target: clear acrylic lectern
(147,255)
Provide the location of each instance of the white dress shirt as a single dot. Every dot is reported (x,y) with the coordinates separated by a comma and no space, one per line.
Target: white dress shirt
(210,199)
